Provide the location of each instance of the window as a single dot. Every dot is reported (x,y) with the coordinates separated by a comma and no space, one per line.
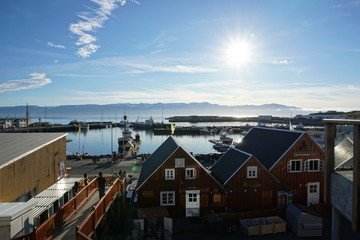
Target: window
(169,174)
(295,165)
(192,197)
(167,198)
(179,162)
(252,172)
(190,173)
(313,165)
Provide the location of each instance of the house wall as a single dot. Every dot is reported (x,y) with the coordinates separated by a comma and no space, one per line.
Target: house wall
(245,194)
(305,148)
(37,170)
(149,193)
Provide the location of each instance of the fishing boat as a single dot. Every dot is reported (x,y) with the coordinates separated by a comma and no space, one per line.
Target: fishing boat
(129,147)
(147,124)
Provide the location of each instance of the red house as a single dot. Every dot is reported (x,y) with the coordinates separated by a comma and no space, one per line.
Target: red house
(272,164)
(249,185)
(172,178)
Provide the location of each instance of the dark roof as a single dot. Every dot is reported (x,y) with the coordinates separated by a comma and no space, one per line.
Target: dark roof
(14,146)
(228,164)
(161,154)
(344,154)
(268,145)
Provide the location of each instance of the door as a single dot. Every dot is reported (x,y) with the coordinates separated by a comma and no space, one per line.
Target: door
(313,193)
(192,203)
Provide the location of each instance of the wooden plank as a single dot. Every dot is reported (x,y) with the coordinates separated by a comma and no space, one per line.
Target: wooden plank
(356,180)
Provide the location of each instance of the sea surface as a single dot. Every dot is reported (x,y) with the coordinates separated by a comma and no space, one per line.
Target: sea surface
(104,141)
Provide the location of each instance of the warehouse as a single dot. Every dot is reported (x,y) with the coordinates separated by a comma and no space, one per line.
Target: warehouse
(30,163)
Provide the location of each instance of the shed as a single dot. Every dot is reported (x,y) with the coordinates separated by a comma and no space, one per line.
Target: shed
(303,221)
(16,219)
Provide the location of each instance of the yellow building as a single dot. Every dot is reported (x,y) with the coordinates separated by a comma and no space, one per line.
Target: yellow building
(29,163)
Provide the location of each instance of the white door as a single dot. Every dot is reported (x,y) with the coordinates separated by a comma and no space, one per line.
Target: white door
(192,203)
(313,193)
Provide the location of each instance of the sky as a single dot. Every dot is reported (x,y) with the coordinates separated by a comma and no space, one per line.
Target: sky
(303,53)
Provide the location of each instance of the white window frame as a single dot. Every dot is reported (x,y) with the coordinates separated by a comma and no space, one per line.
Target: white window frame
(290,163)
(179,162)
(169,173)
(309,168)
(192,175)
(251,171)
(169,198)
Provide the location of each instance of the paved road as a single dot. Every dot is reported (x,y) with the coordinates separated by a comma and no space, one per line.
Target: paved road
(77,168)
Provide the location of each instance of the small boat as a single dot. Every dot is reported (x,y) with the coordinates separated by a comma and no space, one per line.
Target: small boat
(223,143)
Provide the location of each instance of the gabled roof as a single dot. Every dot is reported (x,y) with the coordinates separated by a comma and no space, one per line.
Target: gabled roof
(268,145)
(14,146)
(228,164)
(161,154)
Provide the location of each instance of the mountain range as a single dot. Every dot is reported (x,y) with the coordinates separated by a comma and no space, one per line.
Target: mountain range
(146,110)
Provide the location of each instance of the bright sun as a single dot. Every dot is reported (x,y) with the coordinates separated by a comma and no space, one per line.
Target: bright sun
(238,53)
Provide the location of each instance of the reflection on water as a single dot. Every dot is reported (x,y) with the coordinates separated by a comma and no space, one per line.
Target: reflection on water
(104,141)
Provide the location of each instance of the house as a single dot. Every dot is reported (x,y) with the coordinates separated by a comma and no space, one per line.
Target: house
(172,178)
(249,185)
(293,158)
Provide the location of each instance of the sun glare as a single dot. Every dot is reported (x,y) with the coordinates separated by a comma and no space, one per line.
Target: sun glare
(238,53)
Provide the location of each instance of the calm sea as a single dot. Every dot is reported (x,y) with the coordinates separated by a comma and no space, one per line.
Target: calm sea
(104,141)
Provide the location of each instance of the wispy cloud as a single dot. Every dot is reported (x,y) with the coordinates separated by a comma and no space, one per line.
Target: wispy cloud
(37,80)
(50,44)
(280,62)
(88,24)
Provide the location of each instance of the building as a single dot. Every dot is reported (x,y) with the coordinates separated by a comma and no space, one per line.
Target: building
(293,158)
(13,123)
(29,163)
(172,178)
(342,173)
(249,185)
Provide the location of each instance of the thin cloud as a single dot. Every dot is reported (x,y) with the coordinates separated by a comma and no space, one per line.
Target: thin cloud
(37,80)
(280,62)
(50,44)
(88,24)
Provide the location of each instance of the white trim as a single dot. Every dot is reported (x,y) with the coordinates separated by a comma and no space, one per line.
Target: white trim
(307,165)
(252,170)
(137,188)
(167,198)
(289,165)
(172,174)
(179,166)
(282,156)
(193,173)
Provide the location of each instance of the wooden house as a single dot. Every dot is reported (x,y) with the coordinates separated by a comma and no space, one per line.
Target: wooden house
(173,179)
(249,185)
(293,158)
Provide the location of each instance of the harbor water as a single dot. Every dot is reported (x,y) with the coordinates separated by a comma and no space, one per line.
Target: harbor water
(104,141)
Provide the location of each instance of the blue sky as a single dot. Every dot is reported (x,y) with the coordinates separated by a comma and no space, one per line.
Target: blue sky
(302,53)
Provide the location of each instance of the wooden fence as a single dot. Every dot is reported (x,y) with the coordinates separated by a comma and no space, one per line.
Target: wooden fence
(54,223)
(86,230)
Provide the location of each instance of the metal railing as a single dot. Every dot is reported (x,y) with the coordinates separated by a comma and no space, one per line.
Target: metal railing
(86,230)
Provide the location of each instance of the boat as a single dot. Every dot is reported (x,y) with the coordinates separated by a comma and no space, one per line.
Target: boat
(223,143)
(147,124)
(129,147)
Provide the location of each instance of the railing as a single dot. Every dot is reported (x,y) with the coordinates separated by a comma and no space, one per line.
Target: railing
(87,228)
(54,223)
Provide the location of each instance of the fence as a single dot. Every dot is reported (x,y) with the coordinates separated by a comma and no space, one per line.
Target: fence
(87,228)
(54,223)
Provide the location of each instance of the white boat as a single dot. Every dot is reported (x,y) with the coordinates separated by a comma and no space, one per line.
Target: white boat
(128,146)
(223,143)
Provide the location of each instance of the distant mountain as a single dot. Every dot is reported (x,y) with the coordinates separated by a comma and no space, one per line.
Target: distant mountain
(146,110)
